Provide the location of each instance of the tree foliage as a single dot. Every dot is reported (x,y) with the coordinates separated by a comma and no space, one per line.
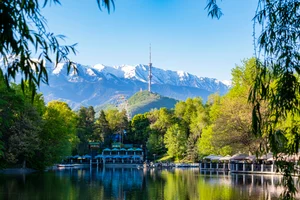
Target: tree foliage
(233,126)
(175,140)
(24,35)
(229,126)
(276,82)
(59,132)
(102,132)
(21,124)
(161,120)
(139,129)
(155,143)
(85,128)
(117,120)
(33,134)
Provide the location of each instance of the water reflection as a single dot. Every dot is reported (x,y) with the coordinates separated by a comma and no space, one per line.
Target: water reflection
(130,183)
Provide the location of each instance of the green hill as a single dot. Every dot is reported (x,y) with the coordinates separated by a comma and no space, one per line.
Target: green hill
(138,103)
(144,101)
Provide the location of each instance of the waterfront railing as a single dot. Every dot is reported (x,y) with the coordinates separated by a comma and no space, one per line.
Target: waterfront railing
(239,167)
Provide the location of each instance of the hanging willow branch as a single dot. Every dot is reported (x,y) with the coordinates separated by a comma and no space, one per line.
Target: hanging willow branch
(23,33)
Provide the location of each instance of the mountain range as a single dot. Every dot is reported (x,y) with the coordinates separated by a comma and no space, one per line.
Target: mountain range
(99,84)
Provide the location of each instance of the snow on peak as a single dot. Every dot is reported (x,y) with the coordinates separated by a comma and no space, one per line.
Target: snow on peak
(181,75)
(129,71)
(141,73)
(59,68)
(216,81)
(99,67)
(90,72)
(227,82)
(107,70)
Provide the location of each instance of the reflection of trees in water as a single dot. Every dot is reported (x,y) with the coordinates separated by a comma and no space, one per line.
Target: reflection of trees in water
(34,186)
(190,184)
(119,180)
(118,183)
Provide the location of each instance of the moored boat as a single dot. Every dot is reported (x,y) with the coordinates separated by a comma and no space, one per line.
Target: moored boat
(65,165)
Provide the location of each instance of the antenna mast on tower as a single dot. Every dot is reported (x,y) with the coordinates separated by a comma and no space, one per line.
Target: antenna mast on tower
(150,71)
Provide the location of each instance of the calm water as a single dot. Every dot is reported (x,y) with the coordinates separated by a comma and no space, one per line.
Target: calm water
(116,183)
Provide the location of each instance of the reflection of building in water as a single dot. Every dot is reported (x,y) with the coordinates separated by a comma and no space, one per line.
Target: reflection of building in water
(128,177)
(253,183)
(120,180)
(115,181)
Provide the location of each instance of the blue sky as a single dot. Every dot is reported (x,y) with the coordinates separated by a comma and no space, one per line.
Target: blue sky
(182,36)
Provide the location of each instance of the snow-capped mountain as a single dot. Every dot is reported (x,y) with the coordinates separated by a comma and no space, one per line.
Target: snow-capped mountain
(100,84)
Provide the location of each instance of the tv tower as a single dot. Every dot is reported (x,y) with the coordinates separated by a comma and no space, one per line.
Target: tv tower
(150,72)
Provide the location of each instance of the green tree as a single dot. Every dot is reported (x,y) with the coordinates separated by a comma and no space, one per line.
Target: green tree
(24,141)
(192,148)
(231,124)
(102,131)
(20,119)
(194,117)
(175,140)
(161,120)
(155,143)
(205,145)
(140,128)
(10,104)
(188,110)
(117,121)
(58,135)
(85,128)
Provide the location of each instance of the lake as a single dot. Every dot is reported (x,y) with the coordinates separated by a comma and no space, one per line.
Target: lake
(131,183)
